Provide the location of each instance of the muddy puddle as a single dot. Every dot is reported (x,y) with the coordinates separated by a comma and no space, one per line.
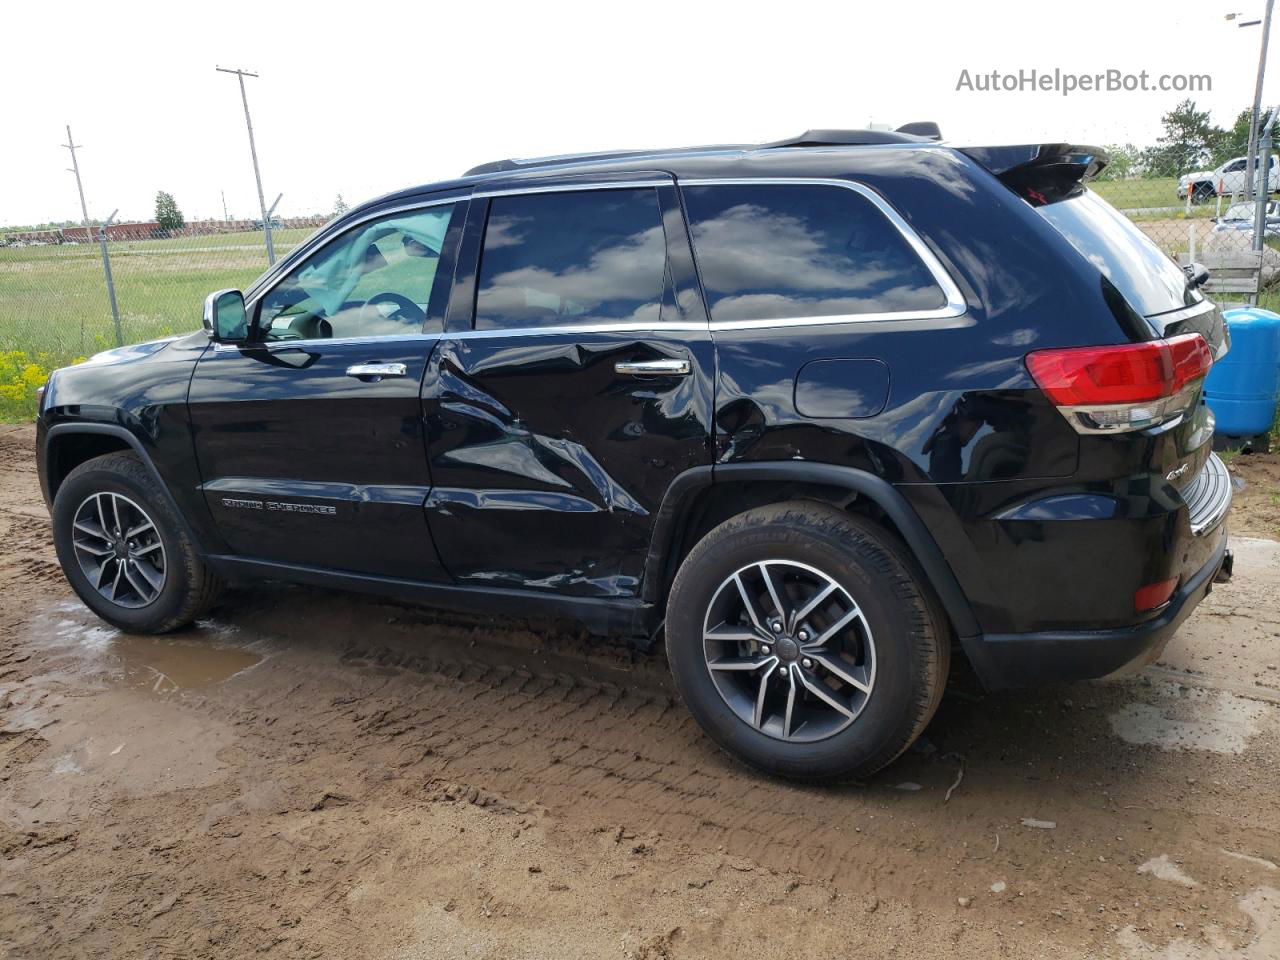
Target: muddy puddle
(196,659)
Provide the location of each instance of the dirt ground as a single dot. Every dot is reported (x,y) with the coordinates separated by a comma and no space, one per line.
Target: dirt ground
(309,774)
(1256,508)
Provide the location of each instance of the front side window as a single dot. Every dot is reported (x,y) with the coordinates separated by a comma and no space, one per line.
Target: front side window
(784,251)
(373,281)
(572,258)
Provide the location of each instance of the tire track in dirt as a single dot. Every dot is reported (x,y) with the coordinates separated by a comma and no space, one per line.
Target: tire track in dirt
(600,742)
(365,719)
(605,750)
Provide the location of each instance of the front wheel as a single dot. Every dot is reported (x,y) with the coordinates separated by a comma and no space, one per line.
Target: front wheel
(805,642)
(123,550)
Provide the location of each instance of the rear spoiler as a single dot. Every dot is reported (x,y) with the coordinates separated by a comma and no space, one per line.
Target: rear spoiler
(1041,173)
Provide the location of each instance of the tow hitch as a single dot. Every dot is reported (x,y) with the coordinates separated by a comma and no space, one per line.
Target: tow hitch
(1224,571)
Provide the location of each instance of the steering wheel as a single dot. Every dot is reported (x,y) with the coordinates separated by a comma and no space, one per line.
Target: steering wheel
(405,309)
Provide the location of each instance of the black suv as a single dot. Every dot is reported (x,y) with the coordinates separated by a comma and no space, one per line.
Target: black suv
(817,410)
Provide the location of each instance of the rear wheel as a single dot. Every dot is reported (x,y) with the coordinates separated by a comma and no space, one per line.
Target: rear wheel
(1202,193)
(123,550)
(805,642)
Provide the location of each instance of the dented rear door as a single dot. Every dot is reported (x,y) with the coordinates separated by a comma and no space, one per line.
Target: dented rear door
(572,386)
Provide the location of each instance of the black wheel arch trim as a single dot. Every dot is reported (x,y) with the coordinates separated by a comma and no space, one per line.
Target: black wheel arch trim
(919,540)
(121,433)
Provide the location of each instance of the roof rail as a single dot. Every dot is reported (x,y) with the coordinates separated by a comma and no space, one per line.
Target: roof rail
(910,133)
(503,166)
(847,138)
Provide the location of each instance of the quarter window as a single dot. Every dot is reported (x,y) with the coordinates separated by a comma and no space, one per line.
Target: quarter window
(581,257)
(375,280)
(785,251)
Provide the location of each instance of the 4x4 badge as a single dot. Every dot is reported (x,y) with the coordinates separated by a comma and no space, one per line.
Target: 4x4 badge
(1176,472)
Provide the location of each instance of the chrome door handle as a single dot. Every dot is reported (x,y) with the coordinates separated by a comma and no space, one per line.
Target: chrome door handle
(654,368)
(375,371)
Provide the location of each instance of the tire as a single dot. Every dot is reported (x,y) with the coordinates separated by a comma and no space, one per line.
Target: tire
(162,583)
(897,645)
(1202,193)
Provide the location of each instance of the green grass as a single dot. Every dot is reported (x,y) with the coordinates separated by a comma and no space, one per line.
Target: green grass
(1159,194)
(53,300)
(1126,194)
(54,308)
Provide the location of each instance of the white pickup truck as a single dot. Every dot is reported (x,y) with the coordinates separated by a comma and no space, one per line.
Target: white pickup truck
(1226,180)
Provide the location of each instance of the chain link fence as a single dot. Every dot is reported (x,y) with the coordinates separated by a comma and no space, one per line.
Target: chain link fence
(53,294)
(1197,207)
(55,307)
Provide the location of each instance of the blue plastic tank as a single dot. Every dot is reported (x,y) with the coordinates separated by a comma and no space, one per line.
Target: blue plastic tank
(1243,388)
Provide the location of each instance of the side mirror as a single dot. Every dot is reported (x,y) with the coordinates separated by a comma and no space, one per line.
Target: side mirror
(225,317)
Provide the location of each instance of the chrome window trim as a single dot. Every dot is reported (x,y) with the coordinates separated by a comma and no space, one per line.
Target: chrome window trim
(273,345)
(576,187)
(567,330)
(955,305)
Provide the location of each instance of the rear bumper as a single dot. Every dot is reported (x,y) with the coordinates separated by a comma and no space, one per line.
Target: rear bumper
(1004,661)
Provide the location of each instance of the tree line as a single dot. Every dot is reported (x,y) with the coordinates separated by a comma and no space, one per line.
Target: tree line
(1189,141)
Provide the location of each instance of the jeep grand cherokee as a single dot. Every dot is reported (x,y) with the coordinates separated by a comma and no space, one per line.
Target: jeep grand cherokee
(816,411)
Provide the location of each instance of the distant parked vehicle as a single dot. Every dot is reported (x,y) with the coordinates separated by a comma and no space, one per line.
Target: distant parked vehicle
(1225,179)
(275,224)
(1239,219)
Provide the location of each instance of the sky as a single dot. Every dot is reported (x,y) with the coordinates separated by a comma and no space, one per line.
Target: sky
(359,99)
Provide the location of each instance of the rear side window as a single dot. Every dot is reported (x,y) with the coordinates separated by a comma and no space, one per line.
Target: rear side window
(1149,280)
(785,251)
(550,259)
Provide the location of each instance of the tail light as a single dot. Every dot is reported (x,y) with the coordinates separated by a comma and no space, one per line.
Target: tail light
(1123,388)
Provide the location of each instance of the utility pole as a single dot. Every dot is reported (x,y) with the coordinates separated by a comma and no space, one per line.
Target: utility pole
(225,215)
(253,151)
(1255,117)
(102,243)
(1264,176)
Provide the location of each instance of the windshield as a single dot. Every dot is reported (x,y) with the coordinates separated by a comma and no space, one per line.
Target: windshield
(1150,281)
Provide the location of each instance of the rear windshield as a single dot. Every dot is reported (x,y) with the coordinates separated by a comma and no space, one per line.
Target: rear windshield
(1149,280)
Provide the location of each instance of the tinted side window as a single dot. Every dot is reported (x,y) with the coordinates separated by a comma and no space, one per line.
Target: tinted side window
(780,251)
(375,280)
(551,259)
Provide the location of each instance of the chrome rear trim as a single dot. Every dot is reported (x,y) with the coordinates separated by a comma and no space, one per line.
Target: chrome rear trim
(1208,496)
